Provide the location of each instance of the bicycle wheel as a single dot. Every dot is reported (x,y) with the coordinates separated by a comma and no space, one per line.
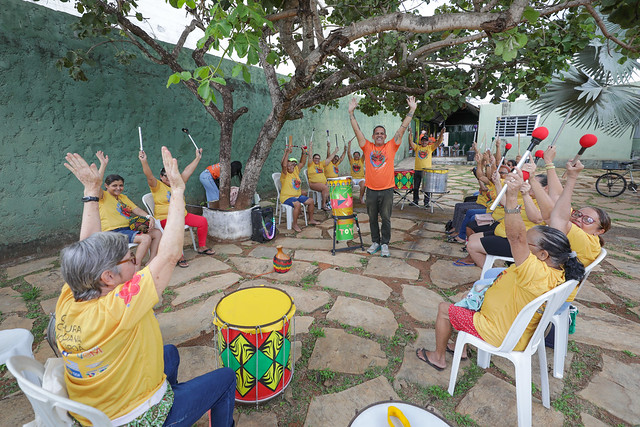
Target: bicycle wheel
(611,184)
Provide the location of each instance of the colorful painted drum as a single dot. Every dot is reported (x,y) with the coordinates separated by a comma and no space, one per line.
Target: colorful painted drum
(254,339)
(340,193)
(434,180)
(395,413)
(404,179)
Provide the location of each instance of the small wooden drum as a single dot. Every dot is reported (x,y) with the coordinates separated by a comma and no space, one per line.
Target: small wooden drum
(254,339)
(393,413)
(340,193)
(404,179)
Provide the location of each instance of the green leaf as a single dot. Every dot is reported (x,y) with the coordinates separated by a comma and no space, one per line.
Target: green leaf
(246,75)
(453,92)
(219,80)
(530,14)
(272,58)
(499,47)
(139,16)
(236,70)
(252,58)
(191,4)
(521,39)
(202,72)
(173,79)
(204,90)
(225,28)
(185,75)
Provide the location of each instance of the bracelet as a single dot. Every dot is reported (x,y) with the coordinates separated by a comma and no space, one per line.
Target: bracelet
(515,210)
(547,167)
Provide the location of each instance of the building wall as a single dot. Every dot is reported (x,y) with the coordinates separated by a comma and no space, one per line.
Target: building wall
(607,147)
(46,114)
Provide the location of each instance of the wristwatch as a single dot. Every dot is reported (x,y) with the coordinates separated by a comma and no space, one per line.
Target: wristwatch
(515,210)
(86,199)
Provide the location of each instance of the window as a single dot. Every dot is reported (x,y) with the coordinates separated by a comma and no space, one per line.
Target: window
(515,125)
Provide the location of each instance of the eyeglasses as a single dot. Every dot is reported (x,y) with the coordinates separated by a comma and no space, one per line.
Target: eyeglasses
(586,219)
(132,259)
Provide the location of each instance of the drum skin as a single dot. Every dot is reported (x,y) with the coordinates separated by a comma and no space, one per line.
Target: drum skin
(404,179)
(254,339)
(340,193)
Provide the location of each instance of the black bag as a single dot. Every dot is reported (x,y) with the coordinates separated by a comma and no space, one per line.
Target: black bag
(263,224)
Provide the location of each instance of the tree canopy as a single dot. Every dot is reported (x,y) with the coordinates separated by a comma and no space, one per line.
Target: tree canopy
(378,48)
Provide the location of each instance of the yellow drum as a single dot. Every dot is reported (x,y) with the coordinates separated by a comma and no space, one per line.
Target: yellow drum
(254,339)
(340,193)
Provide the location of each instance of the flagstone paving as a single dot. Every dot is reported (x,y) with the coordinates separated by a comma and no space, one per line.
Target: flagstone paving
(360,319)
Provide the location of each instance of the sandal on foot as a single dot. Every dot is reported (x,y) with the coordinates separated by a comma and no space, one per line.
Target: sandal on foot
(207,251)
(183,263)
(461,263)
(425,359)
(465,356)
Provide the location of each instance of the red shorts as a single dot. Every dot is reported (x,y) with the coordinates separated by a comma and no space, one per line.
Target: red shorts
(462,320)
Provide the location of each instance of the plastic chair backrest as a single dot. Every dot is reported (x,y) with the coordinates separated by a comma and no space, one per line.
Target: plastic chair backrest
(276,181)
(306,178)
(14,342)
(590,267)
(148,202)
(44,403)
(553,299)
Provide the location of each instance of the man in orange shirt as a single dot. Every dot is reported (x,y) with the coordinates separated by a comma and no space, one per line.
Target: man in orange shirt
(379,177)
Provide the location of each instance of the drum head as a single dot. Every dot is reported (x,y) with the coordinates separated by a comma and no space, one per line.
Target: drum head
(260,307)
(375,415)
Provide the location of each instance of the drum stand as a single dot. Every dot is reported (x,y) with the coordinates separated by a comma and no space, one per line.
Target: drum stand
(434,202)
(404,198)
(335,225)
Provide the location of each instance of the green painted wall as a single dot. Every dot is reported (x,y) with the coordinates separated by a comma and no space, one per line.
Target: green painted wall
(607,148)
(46,114)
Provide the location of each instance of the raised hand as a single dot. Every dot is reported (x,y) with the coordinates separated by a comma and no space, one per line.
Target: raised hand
(172,171)
(199,153)
(573,170)
(413,104)
(529,167)
(514,181)
(549,154)
(87,175)
(353,103)
(104,160)
(142,156)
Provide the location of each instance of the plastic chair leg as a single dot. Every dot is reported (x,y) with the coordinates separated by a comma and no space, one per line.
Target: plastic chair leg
(288,211)
(455,364)
(561,341)
(544,375)
(523,390)
(484,359)
(193,239)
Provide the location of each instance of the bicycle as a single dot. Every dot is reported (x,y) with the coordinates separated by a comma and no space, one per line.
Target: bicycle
(612,184)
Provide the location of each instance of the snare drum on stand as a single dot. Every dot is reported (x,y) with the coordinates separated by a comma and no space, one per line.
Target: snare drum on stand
(254,339)
(434,181)
(404,182)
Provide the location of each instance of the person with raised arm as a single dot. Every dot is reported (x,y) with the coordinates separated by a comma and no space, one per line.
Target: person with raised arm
(107,332)
(116,210)
(317,178)
(379,157)
(357,170)
(161,191)
(543,260)
(291,188)
(331,169)
(423,150)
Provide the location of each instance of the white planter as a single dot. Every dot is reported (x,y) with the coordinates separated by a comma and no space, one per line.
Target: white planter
(228,225)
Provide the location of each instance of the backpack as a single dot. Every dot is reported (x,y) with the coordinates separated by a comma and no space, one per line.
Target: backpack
(263,224)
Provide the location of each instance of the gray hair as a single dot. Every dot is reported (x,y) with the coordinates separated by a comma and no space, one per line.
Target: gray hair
(83,262)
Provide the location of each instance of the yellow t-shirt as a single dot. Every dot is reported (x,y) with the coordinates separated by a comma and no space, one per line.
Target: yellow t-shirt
(291,185)
(514,288)
(112,346)
(115,213)
(500,230)
(161,198)
(315,173)
(485,198)
(357,168)
(586,246)
(424,156)
(331,171)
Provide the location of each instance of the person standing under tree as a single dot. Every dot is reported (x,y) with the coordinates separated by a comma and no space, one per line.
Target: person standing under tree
(379,175)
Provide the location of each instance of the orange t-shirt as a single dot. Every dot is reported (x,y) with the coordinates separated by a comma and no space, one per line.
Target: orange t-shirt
(214,170)
(378,171)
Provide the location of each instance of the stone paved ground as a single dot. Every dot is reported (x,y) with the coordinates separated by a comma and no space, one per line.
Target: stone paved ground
(360,319)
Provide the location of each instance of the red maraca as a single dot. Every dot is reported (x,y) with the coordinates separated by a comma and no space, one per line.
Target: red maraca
(588,140)
(539,155)
(525,176)
(507,147)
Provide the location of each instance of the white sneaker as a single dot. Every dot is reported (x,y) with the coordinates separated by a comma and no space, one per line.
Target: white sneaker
(375,247)
(385,251)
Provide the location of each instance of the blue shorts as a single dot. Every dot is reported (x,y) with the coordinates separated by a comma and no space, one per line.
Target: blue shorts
(291,200)
(131,234)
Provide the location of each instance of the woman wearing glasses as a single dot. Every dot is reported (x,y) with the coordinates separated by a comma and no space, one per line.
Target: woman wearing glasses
(106,329)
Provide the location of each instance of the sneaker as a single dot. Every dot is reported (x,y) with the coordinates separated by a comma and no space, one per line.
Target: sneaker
(375,247)
(385,251)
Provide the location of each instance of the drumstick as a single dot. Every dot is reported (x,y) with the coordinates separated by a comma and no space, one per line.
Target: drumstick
(537,136)
(564,122)
(311,139)
(336,140)
(140,134)
(507,147)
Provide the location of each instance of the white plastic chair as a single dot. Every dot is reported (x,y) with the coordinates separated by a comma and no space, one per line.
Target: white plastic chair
(315,195)
(521,359)
(490,260)
(44,403)
(14,342)
(288,210)
(150,205)
(560,322)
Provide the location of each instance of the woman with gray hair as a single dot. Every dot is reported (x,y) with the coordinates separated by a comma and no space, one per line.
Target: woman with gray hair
(106,330)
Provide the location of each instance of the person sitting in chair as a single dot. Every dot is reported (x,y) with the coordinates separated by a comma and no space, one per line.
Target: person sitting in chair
(291,191)
(107,332)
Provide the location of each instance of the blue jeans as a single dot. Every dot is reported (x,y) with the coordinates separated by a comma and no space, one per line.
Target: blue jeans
(380,202)
(467,219)
(214,391)
(213,194)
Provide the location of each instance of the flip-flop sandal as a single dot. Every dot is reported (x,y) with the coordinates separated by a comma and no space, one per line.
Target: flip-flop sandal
(465,356)
(207,251)
(460,263)
(183,263)
(426,360)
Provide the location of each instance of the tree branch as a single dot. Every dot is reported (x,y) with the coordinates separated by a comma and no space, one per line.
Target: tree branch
(607,34)
(183,38)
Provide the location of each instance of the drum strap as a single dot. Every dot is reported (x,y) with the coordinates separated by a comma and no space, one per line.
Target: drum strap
(397,413)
